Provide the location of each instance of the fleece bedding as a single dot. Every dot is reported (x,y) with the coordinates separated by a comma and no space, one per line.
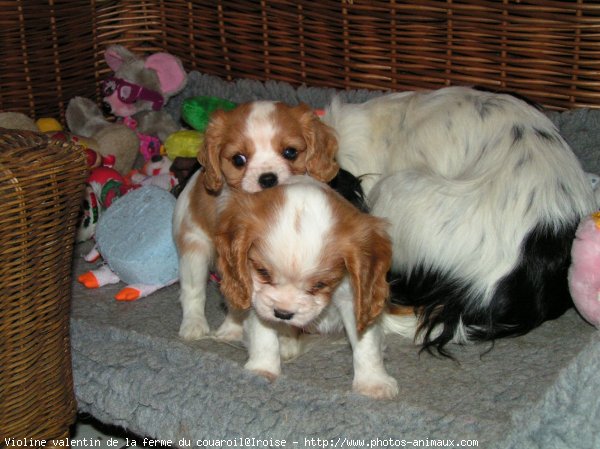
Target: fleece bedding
(130,368)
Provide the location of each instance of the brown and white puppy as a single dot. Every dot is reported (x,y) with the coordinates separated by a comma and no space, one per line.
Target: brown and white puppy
(299,256)
(256,146)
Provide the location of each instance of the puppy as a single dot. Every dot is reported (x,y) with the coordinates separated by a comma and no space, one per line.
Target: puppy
(253,147)
(483,196)
(302,257)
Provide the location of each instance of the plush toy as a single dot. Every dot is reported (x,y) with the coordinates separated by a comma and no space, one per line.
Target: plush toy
(584,272)
(134,237)
(196,111)
(95,159)
(156,172)
(17,120)
(48,125)
(136,93)
(104,185)
(140,87)
(184,143)
(594,180)
(85,119)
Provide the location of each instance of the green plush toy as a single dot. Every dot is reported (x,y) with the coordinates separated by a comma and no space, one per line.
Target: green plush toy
(196,111)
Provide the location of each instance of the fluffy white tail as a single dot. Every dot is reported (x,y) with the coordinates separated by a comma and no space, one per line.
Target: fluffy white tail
(403,324)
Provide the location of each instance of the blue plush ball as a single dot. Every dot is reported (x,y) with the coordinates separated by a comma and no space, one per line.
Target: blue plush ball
(134,236)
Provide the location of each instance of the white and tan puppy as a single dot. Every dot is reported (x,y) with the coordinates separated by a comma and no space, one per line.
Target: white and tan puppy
(303,258)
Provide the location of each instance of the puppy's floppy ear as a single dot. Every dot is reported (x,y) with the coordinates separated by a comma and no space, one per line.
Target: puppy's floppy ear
(233,241)
(368,257)
(321,143)
(209,155)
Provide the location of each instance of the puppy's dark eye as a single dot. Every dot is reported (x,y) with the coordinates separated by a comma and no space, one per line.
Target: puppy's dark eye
(290,153)
(239,160)
(317,287)
(264,275)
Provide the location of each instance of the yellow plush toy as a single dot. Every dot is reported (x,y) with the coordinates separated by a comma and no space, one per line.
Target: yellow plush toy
(184,143)
(48,125)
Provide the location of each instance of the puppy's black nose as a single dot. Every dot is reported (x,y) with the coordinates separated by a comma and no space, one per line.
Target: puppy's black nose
(267,180)
(283,315)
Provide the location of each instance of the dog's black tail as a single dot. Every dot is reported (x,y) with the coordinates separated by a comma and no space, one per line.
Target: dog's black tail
(536,290)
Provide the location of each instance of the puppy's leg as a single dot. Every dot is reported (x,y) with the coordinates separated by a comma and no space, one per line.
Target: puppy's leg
(290,344)
(193,276)
(263,347)
(232,329)
(370,377)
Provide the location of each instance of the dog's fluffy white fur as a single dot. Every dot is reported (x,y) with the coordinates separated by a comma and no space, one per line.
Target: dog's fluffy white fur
(302,257)
(477,187)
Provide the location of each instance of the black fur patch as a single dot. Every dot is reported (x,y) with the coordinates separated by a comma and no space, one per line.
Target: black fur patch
(546,135)
(535,291)
(521,97)
(517,133)
(348,185)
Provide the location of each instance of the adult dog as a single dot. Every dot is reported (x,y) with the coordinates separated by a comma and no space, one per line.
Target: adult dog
(483,196)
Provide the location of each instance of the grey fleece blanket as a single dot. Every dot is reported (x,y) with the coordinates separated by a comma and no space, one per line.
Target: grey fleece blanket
(131,369)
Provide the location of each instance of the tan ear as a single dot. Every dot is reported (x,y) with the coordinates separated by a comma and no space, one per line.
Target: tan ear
(209,155)
(368,259)
(232,244)
(322,145)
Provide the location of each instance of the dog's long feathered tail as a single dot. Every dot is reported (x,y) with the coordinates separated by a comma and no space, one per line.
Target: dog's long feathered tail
(448,312)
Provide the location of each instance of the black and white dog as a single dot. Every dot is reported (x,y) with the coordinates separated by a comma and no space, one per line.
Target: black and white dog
(483,196)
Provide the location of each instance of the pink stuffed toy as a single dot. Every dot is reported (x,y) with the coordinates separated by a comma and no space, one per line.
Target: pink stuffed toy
(136,93)
(584,273)
(140,87)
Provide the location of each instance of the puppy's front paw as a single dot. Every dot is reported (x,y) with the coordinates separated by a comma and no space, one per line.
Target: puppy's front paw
(381,386)
(271,377)
(230,331)
(290,347)
(267,372)
(193,328)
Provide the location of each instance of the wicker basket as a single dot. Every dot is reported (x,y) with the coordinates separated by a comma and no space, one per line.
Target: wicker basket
(41,185)
(548,50)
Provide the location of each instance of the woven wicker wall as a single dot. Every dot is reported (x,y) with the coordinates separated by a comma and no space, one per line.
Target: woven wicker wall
(547,50)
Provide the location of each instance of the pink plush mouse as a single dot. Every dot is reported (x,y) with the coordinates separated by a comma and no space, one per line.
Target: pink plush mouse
(140,87)
(584,273)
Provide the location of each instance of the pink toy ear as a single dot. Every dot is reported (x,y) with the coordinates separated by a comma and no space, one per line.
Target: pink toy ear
(169,70)
(115,56)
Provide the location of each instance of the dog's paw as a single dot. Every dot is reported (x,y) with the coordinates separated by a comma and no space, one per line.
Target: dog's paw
(290,347)
(268,372)
(271,377)
(381,386)
(230,331)
(194,329)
